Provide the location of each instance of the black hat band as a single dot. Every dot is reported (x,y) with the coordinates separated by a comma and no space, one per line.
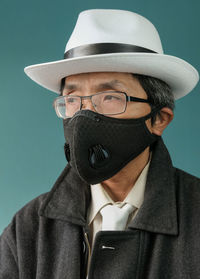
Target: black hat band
(103,48)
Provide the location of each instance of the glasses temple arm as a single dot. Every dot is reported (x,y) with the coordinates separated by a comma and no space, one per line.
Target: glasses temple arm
(135,99)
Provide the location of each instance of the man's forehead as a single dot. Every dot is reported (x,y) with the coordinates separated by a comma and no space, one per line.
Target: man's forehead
(99,79)
(100,84)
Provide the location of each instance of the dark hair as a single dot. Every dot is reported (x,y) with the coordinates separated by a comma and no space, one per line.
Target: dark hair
(62,85)
(159,92)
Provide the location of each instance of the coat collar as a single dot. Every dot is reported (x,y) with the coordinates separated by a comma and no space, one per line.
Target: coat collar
(158,212)
(70,197)
(68,200)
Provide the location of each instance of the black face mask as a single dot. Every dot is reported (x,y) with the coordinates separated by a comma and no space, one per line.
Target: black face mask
(98,147)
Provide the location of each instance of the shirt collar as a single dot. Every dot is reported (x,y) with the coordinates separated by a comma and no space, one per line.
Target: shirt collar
(99,197)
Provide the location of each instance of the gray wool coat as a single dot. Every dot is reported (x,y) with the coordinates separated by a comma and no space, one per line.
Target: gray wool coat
(47,238)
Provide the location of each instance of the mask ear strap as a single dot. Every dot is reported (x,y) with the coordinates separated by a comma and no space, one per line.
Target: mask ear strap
(153,112)
(67,151)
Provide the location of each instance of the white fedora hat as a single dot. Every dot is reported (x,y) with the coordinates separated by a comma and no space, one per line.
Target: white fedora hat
(116,41)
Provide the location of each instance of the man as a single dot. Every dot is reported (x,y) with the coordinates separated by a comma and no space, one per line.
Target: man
(119,209)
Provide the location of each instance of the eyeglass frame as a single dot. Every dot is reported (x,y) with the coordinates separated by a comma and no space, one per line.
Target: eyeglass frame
(128,99)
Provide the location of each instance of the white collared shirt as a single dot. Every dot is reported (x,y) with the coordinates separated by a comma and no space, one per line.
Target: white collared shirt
(99,198)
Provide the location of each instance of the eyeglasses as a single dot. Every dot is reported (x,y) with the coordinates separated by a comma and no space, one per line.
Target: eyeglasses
(107,103)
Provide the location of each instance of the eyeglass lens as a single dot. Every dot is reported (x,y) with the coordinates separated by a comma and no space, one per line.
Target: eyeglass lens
(104,103)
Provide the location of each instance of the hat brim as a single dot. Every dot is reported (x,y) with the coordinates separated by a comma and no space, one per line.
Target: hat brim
(181,76)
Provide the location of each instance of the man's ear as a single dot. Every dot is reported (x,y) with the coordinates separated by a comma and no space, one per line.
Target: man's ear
(162,121)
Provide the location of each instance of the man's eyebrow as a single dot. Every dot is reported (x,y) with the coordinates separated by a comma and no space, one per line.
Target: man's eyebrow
(113,84)
(70,86)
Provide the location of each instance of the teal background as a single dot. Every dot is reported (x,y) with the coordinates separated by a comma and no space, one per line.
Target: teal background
(31,136)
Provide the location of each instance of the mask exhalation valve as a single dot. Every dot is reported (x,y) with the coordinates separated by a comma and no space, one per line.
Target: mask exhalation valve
(98,156)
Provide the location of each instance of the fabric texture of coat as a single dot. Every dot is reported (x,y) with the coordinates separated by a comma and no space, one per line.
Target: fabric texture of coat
(47,238)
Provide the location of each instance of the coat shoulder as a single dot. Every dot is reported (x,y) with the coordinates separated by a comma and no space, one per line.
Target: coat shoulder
(187,180)
(188,188)
(27,217)
(22,232)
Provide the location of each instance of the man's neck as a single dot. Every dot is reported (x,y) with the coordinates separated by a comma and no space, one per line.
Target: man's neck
(121,183)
